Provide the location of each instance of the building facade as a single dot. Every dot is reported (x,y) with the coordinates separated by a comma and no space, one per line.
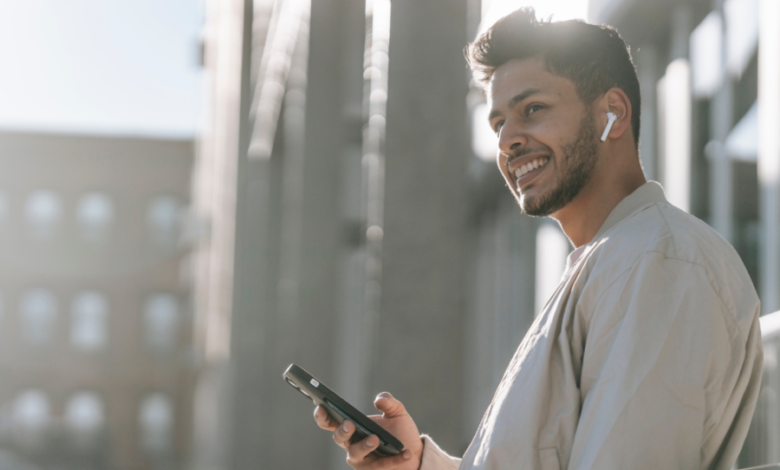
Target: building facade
(96,364)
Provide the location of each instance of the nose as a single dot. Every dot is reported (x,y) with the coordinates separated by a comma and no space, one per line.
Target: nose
(510,138)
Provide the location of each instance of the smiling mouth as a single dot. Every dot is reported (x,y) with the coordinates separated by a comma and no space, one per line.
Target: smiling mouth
(530,169)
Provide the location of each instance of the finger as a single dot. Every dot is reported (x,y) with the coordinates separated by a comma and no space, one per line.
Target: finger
(359,450)
(324,420)
(388,463)
(389,406)
(343,433)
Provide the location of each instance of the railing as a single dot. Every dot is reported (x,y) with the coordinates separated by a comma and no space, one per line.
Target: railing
(763,440)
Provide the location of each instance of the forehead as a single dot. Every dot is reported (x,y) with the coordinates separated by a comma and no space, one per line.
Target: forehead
(517,76)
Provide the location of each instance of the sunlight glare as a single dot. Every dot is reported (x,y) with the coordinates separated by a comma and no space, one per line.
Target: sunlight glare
(561,10)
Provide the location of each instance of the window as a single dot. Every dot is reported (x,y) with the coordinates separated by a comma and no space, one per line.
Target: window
(31,410)
(84,413)
(155,420)
(43,212)
(30,416)
(84,420)
(162,218)
(38,311)
(161,322)
(95,213)
(89,327)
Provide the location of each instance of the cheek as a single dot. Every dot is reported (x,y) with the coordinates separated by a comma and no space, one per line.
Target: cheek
(501,163)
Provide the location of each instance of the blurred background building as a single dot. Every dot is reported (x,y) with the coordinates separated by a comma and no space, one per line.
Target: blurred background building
(195,194)
(97,144)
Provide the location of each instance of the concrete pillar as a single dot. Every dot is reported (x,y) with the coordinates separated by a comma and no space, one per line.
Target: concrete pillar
(218,198)
(501,304)
(676,97)
(552,250)
(721,117)
(646,59)
(769,152)
(419,339)
(253,329)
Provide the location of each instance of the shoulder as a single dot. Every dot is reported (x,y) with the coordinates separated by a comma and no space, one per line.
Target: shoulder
(663,236)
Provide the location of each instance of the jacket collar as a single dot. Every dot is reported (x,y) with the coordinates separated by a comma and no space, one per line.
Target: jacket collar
(646,195)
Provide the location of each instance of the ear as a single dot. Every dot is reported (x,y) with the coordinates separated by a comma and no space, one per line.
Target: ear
(616,101)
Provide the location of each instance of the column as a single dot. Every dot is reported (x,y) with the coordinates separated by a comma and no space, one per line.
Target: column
(769,152)
(421,313)
(721,110)
(676,96)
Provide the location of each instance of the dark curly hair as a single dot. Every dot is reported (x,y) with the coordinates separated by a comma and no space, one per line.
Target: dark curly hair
(595,58)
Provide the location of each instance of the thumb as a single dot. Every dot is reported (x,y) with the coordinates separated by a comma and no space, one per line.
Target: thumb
(389,406)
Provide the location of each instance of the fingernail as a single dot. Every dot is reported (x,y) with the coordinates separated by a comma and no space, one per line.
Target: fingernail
(371,441)
(383,395)
(407,454)
(345,426)
(317,412)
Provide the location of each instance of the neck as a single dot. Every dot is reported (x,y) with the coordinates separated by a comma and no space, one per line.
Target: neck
(613,179)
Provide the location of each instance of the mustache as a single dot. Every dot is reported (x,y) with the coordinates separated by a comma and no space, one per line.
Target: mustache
(523,151)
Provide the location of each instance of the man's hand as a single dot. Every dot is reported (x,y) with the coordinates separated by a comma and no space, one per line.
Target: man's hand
(395,420)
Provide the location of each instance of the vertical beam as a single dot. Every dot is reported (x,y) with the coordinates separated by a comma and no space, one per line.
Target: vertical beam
(646,58)
(769,152)
(217,199)
(721,111)
(312,224)
(552,249)
(253,298)
(421,311)
(677,113)
(677,134)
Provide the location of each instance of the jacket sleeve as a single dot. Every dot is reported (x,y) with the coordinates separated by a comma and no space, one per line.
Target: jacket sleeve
(670,372)
(433,458)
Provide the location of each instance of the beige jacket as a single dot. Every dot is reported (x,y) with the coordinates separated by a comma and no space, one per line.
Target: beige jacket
(648,356)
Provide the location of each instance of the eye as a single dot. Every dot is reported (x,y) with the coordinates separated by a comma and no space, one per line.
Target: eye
(497,126)
(533,108)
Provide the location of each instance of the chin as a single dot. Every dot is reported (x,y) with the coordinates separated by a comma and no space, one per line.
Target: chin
(538,205)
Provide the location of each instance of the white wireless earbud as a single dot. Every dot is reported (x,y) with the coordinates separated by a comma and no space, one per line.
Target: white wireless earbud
(612,118)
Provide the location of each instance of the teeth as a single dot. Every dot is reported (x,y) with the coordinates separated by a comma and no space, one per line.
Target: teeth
(539,162)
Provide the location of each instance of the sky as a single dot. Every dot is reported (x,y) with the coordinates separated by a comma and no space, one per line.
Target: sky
(97,67)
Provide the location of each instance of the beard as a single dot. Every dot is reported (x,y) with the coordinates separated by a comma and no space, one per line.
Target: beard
(579,160)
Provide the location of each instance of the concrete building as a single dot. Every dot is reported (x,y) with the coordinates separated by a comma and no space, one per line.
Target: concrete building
(96,369)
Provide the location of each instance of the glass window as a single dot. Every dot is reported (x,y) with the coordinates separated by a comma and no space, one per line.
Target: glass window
(89,327)
(161,322)
(84,413)
(162,218)
(31,410)
(43,212)
(95,213)
(155,419)
(38,316)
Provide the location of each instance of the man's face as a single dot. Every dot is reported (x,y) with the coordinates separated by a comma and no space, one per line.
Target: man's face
(548,143)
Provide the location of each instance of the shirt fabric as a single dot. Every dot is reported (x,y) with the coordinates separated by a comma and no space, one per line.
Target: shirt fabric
(647,356)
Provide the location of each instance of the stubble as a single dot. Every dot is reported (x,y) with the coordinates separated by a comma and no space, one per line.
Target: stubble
(578,163)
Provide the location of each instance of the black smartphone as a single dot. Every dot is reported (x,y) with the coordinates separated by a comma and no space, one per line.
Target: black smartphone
(339,409)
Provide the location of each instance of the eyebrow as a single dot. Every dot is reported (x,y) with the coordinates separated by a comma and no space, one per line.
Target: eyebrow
(516,99)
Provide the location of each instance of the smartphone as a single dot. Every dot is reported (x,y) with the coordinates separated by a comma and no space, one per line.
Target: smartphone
(339,409)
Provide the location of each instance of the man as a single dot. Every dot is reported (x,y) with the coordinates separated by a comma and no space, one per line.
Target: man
(648,356)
